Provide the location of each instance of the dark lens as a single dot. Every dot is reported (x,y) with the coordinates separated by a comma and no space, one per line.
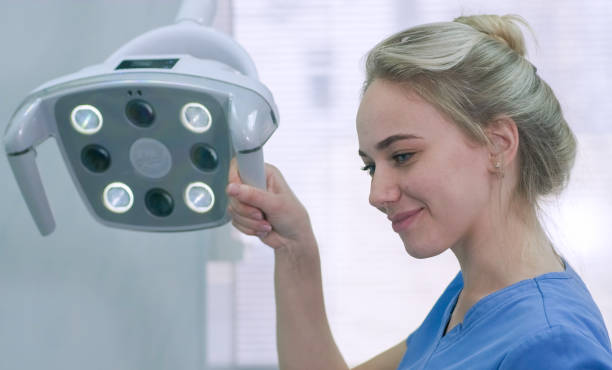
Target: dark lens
(204,157)
(95,158)
(159,202)
(140,113)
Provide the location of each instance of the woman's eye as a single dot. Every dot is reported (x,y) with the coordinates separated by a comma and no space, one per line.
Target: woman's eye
(402,157)
(369,168)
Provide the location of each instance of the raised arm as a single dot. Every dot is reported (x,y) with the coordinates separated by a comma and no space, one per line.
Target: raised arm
(304,339)
(388,360)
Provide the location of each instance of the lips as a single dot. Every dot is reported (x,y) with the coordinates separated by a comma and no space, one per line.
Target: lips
(402,220)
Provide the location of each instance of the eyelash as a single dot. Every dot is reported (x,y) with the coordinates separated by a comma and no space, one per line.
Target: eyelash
(370,168)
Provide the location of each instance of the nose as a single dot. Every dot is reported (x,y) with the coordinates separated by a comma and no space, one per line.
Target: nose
(384,190)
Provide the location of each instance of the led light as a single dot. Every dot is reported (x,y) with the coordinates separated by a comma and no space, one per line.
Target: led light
(86,119)
(199,197)
(118,197)
(195,117)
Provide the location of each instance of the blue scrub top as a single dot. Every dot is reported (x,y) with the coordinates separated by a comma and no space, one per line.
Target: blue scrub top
(548,322)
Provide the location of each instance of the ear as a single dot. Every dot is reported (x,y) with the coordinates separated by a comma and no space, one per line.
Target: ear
(503,142)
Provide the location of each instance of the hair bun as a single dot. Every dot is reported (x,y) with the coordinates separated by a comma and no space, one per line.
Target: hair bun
(502,28)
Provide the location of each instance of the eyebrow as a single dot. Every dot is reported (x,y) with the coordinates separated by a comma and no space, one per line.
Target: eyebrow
(384,144)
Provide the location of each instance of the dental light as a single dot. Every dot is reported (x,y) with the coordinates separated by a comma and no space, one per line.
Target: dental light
(148,134)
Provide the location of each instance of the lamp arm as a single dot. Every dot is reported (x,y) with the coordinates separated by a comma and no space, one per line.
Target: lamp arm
(199,11)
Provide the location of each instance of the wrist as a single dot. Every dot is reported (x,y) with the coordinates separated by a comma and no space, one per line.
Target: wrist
(298,254)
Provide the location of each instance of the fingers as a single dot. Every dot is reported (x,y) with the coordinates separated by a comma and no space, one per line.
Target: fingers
(274,179)
(245,230)
(244,210)
(233,176)
(239,209)
(249,225)
(274,215)
(251,197)
(248,219)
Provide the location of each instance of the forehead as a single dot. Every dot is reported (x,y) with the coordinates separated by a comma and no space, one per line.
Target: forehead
(389,108)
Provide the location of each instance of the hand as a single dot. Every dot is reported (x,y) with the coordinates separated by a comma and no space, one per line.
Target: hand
(276,216)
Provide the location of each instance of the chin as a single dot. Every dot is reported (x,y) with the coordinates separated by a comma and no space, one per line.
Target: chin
(422,251)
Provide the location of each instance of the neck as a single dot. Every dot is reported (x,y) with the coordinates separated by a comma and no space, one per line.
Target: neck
(511,248)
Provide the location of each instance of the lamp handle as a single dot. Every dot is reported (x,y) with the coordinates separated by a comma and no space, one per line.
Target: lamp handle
(28,178)
(251,168)
(28,128)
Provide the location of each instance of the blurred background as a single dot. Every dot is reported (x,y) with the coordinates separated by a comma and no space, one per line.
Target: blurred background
(97,298)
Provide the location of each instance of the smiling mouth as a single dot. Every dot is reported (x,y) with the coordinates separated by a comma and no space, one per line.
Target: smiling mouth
(403,220)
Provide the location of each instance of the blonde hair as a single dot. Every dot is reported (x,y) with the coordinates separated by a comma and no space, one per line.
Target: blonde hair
(474,70)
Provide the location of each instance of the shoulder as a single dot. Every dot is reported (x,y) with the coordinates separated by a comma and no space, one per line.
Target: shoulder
(572,334)
(558,347)
(567,303)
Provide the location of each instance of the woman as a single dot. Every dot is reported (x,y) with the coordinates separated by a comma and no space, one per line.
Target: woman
(461,138)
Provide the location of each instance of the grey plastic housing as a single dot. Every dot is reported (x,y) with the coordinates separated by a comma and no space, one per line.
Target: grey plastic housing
(27,176)
(210,66)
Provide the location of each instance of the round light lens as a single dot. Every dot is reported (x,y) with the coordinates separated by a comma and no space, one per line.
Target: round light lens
(159,202)
(199,197)
(95,158)
(140,113)
(86,119)
(118,197)
(196,118)
(204,157)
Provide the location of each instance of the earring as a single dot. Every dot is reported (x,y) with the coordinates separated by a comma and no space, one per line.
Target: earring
(498,169)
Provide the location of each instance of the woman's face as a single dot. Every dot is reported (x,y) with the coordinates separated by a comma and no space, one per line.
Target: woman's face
(431,181)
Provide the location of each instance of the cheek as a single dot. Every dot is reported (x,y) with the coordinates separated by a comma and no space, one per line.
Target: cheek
(454,190)
(451,180)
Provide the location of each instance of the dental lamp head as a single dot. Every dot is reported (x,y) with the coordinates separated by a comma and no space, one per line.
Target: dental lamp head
(148,134)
